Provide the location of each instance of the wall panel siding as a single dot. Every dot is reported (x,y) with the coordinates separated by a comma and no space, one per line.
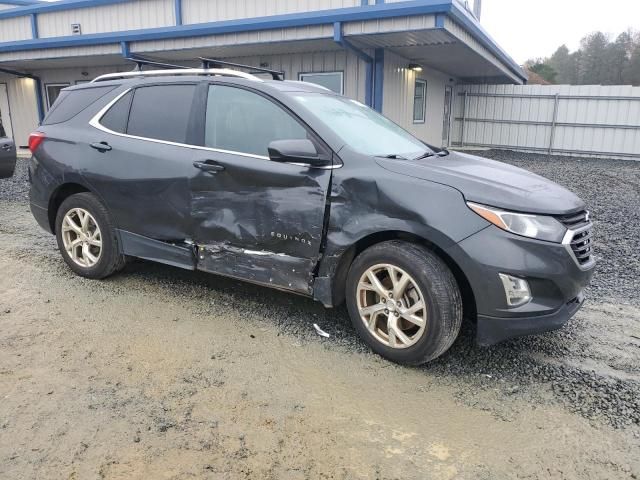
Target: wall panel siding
(237,39)
(399,85)
(338,61)
(598,120)
(113,49)
(386,25)
(13,29)
(109,18)
(201,11)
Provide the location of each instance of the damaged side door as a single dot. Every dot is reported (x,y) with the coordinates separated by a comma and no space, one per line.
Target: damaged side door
(253,218)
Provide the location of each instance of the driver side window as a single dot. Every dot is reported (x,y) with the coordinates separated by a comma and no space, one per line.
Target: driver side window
(242,121)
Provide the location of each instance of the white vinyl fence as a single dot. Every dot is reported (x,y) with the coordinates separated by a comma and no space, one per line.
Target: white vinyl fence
(555,119)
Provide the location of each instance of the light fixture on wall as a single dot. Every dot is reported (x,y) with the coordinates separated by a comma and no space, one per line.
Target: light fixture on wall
(415,67)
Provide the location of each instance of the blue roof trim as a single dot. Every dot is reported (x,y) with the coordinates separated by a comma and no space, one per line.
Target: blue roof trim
(320,17)
(21,3)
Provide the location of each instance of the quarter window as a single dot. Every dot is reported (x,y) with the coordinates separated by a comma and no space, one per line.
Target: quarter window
(242,121)
(161,112)
(332,80)
(420,102)
(118,115)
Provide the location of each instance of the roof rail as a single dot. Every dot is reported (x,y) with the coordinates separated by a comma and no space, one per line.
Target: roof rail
(222,72)
(214,62)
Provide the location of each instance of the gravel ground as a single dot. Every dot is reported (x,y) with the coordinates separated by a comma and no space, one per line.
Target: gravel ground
(581,385)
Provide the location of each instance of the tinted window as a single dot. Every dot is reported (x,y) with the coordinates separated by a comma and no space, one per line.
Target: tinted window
(118,115)
(70,104)
(161,112)
(2,132)
(243,121)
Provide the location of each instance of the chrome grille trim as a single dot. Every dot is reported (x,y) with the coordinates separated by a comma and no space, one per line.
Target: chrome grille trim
(579,239)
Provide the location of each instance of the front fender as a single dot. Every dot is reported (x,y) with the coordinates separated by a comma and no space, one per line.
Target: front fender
(364,208)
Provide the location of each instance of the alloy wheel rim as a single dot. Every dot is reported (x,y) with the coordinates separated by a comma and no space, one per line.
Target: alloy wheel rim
(391,306)
(81,237)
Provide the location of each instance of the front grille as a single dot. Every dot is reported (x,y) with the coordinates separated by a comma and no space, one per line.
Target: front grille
(581,243)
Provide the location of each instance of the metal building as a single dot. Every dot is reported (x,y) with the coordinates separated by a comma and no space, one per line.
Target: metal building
(402,57)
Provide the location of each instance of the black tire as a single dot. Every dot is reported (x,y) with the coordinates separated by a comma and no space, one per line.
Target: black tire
(439,289)
(111,260)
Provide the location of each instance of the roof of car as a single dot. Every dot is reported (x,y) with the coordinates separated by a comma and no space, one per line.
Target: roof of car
(278,85)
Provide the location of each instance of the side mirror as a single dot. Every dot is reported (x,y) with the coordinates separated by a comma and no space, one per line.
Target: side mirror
(296,151)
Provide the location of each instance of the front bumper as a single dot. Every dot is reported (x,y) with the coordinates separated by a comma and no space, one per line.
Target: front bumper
(492,330)
(555,279)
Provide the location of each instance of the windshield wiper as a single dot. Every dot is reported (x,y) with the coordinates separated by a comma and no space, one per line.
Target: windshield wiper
(394,156)
(441,153)
(425,155)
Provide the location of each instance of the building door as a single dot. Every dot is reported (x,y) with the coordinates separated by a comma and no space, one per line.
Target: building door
(446,126)
(5,118)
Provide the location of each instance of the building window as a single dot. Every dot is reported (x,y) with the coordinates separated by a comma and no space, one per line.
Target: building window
(53,92)
(420,101)
(334,81)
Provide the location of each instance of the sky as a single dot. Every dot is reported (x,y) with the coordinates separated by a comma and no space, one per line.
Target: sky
(536,28)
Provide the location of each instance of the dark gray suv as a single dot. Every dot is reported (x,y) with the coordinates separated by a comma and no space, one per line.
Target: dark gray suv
(288,185)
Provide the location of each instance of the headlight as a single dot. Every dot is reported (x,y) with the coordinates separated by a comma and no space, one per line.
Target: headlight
(533,226)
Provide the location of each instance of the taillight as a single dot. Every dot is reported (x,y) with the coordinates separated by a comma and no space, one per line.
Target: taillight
(35,139)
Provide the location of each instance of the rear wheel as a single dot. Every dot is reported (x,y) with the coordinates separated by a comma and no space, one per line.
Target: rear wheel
(87,238)
(404,302)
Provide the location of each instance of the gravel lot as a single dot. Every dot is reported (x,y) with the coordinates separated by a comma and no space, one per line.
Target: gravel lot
(160,372)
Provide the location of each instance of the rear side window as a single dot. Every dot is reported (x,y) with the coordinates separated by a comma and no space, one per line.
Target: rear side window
(118,115)
(71,103)
(161,112)
(242,121)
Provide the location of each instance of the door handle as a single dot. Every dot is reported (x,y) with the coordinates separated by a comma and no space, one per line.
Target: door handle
(7,147)
(209,166)
(101,147)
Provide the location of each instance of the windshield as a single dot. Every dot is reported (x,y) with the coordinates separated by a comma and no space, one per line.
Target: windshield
(360,127)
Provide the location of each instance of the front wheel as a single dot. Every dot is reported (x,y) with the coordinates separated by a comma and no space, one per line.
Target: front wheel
(404,302)
(87,238)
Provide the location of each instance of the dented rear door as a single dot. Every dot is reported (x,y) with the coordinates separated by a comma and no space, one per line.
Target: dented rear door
(255,219)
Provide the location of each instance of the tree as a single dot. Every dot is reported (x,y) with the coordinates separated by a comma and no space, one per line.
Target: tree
(564,63)
(594,65)
(631,73)
(598,61)
(542,68)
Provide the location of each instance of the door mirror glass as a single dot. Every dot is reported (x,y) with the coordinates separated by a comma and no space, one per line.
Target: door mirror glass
(296,151)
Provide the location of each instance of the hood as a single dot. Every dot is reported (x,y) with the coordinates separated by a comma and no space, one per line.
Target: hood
(491,183)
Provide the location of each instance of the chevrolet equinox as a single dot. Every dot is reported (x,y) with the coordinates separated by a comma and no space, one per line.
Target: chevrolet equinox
(288,185)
